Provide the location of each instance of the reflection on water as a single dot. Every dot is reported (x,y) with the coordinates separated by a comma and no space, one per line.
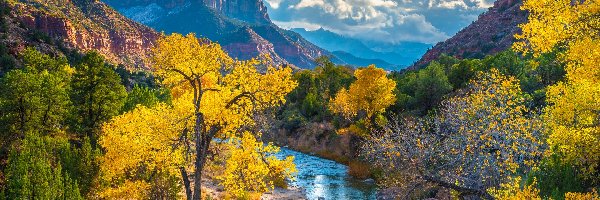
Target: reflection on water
(326,179)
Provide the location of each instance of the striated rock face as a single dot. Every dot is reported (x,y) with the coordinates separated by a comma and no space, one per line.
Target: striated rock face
(491,33)
(252,11)
(89,25)
(242,27)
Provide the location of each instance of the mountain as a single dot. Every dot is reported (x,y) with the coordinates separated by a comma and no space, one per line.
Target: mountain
(242,27)
(401,54)
(493,32)
(350,59)
(77,25)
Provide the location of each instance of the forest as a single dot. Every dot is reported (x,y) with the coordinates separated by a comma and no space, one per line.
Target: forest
(520,124)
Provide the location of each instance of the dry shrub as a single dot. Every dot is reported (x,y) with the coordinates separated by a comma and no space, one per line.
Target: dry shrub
(359,169)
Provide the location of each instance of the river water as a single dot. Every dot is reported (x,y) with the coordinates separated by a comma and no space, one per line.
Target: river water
(326,179)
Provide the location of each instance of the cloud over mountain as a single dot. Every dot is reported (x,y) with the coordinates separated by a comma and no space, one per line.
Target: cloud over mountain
(390,21)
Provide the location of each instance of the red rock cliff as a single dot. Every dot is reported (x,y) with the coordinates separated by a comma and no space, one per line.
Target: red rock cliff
(90,25)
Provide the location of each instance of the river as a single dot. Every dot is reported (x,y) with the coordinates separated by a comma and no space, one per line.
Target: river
(326,179)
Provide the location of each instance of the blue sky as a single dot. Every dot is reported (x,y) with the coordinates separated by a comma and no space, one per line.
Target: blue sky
(389,21)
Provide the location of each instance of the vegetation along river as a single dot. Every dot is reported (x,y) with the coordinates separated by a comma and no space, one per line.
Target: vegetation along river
(327,179)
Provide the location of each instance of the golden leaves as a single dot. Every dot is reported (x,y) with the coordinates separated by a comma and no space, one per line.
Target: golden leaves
(573,113)
(372,92)
(222,92)
(252,166)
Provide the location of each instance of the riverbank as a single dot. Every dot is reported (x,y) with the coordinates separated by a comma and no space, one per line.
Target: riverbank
(214,191)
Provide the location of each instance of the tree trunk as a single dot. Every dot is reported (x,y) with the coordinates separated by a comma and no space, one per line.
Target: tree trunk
(186,183)
(202,143)
(198,163)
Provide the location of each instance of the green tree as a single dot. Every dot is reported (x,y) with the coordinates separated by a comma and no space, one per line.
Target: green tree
(145,96)
(97,94)
(33,173)
(34,98)
(461,73)
(431,86)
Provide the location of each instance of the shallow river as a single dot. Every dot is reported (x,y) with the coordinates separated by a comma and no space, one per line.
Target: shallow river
(326,179)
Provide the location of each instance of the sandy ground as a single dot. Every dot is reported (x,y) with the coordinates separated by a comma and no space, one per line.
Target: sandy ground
(293,193)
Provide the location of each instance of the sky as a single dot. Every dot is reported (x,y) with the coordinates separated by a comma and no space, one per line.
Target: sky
(387,21)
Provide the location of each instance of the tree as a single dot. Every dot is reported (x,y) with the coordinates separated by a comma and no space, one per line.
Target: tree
(421,91)
(475,142)
(145,96)
(431,86)
(316,88)
(573,113)
(139,143)
(34,99)
(97,95)
(371,93)
(214,96)
(252,166)
(33,173)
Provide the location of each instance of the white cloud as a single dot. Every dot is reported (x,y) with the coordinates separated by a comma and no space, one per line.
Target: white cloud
(274,3)
(389,21)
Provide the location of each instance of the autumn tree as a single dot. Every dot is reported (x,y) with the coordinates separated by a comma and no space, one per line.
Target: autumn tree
(142,137)
(370,94)
(214,96)
(573,114)
(474,142)
(252,166)
(97,94)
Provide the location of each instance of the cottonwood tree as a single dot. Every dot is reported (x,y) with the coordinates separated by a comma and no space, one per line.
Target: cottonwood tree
(252,166)
(473,143)
(370,94)
(573,114)
(214,96)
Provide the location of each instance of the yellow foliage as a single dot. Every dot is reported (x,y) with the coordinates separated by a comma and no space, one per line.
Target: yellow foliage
(582,196)
(225,91)
(215,96)
(252,167)
(573,113)
(372,92)
(127,190)
(513,191)
(142,137)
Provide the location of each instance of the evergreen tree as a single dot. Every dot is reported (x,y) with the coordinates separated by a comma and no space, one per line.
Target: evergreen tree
(97,94)
(34,173)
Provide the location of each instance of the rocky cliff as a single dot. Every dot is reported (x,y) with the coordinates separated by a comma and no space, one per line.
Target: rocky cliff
(492,32)
(242,27)
(83,25)
(252,11)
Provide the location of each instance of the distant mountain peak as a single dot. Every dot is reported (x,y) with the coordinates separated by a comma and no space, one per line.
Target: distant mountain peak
(252,11)
(242,27)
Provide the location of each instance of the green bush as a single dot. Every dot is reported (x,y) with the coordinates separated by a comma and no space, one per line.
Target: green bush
(555,177)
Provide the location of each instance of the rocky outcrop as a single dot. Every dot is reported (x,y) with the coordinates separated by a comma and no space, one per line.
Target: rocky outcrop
(89,25)
(492,32)
(252,11)
(242,27)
